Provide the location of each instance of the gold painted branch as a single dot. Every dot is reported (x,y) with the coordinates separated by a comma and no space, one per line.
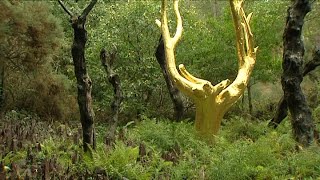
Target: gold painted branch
(211,101)
(246,54)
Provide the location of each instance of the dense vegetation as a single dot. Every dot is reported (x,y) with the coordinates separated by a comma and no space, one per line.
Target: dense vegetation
(154,149)
(40,130)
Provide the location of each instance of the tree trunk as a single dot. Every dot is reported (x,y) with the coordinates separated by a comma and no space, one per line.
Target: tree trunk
(107,61)
(282,110)
(250,100)
(292,76)
(2,97)
(84,83)
(281,113)
(175,94)
(209,115)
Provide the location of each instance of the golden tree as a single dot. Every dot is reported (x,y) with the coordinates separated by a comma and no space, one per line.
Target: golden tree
(211,101)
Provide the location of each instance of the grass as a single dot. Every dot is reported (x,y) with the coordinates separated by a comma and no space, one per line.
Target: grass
(157,149)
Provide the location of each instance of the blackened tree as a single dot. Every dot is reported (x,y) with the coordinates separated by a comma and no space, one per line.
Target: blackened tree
(84,83)
(292,65)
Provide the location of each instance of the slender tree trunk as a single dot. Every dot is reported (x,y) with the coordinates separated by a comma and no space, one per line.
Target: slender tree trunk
(107,61)
(302,123)
(282,110)
(250,99)
(2,97)
(84,83)
(281,113)
(242,102)
(175,94)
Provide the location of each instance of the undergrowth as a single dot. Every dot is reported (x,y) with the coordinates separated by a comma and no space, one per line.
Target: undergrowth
(160,149)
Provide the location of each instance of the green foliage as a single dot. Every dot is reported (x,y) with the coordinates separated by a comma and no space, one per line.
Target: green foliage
(208,47)
(158,149)
(39,75)
(267,26)
(129,28)
(48,96)
(121,163)
(31,41)
(240,128)
(303,164)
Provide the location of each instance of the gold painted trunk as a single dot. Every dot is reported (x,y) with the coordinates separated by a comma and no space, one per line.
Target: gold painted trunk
(208,117)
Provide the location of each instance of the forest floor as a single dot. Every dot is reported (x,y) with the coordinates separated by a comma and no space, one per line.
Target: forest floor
(152,149)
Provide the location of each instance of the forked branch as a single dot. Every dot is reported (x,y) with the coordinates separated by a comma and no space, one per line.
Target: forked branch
(179,29)
(170,43)
(85,12)
(88,9)
(194,87)
(198,88)
(246,54)
(211,101)
(64,7)
(164,23)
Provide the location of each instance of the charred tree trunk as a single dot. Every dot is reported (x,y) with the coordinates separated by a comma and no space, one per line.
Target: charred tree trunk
(107,61)
(84,83)
(302,123)
(175,94)
(281,113)
(282,110)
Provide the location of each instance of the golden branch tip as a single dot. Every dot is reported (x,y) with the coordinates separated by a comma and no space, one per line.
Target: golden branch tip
(158,23)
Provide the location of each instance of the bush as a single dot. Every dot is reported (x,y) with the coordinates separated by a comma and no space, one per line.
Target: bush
(238,128)
(48,95)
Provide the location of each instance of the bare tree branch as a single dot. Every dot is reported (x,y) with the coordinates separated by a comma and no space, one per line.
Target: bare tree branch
(235,9)
(65,8)
(315,62)
(178,33)
(87,10)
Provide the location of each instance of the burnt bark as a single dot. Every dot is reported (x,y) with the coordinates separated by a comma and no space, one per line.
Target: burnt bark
(282,109)
(175,94)
(292,65)
(84,83)
(107,60)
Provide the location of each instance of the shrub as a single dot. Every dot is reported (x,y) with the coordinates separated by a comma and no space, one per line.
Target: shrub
(48,95)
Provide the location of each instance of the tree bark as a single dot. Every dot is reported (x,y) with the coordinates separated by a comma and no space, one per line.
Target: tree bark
(302,123)
(281,113)
(84,83)
(174,92)
(107,62)
(282,110)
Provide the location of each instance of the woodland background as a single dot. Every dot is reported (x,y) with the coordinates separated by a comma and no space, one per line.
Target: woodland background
(40,127)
